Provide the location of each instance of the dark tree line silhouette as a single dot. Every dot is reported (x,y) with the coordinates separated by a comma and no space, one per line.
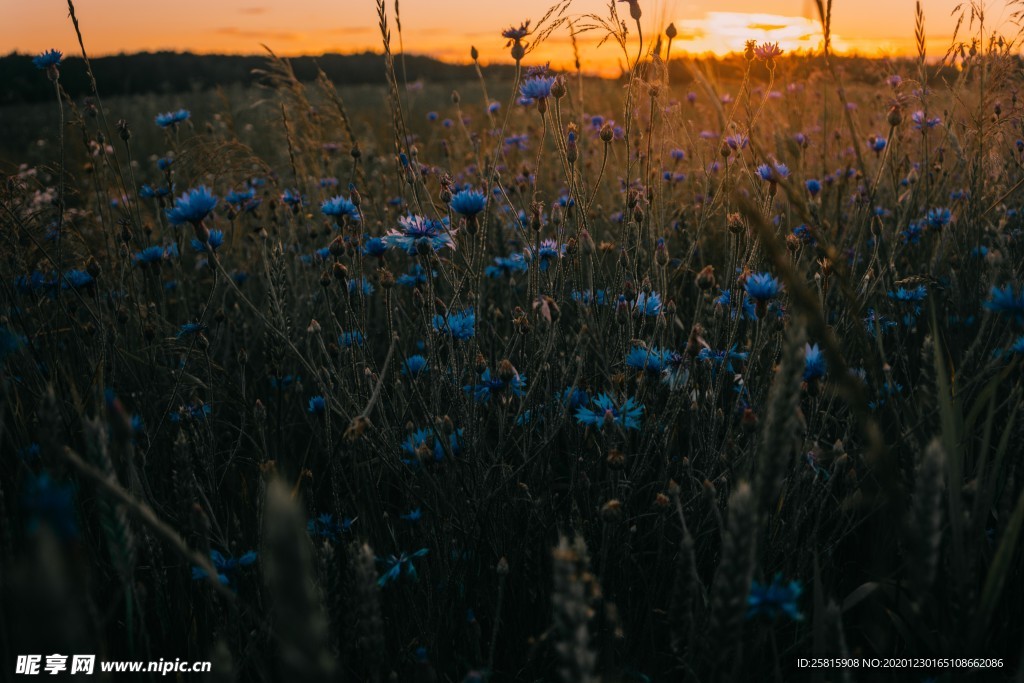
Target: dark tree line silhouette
(173,72)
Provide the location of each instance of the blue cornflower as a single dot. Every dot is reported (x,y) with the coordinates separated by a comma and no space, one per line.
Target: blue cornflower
(172,118)
(326,527)
(9,343)
(549,251)
(536,88)
(773,172)
(877,143)
(226,567)
(872,318)
(762,287)
(420,235)
(888,390)
(517,141)
(775,599)
(349,339)
(283,382)
(647,304)
(910,300)
(414,515)
(922,122)
(813,187)
(317,405)
(599,297)
(189,329)
(76,279)
(913,233)
(573,398)
(339,207)
(416,276)
(34,282)
(804,234)
(192,206)
(737,142)
(193,411)
(468,203)
(44,501)
(147,192)
(236,198)
(503,265)
(414,365)
(814,363)
(746,311)
(215,240)
(605,412)
(1017,347)
(29,453)
(675,374)
(491,385)
(361,285)
(459,325)
(1006,302)
(423,444)
(722,358)
(939,218)
(45,60)
(375,246)
(138,425)
(292,198)
(651,361)
(395,564)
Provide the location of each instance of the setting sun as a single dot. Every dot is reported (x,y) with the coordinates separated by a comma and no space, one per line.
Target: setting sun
(720,33)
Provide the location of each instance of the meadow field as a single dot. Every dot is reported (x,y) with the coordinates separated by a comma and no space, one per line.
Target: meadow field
(707,373)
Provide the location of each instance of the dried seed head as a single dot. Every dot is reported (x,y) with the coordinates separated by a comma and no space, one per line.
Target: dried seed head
(356,428)
(706,277)
(612,510)
(587,243)
(749,420)
(506,371)
(734,222)
(558,88)
(616,459)
(895,116)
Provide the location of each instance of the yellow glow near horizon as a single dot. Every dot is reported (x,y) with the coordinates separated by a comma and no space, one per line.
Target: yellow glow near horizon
(446,29)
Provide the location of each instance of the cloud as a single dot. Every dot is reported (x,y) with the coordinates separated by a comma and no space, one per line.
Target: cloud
(252,11)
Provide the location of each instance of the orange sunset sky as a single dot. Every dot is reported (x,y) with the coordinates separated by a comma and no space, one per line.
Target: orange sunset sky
(447,28)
